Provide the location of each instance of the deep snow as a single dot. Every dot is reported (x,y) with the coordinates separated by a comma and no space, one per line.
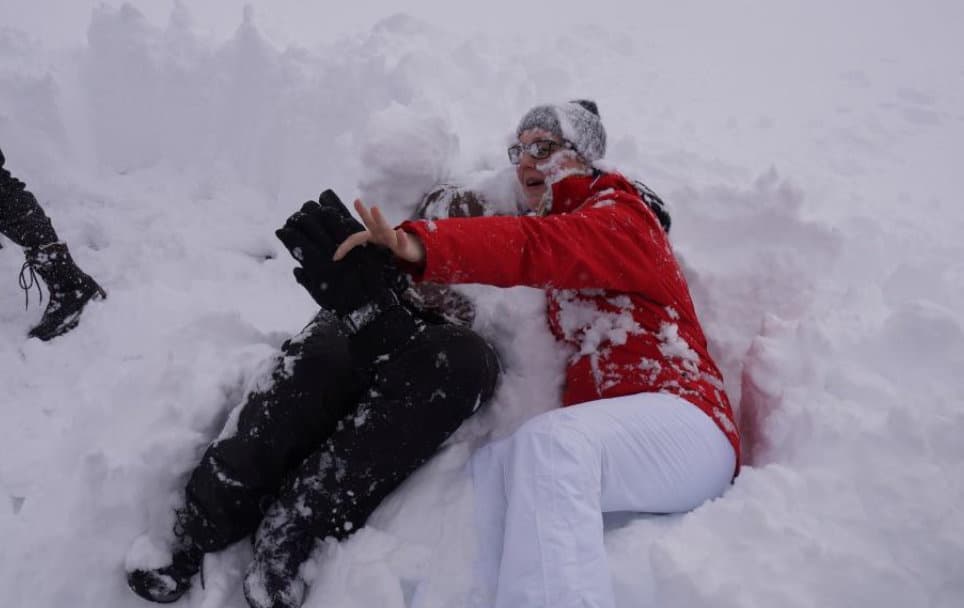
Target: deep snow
(810,156)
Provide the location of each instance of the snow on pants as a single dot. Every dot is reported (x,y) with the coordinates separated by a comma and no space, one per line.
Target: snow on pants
(416,401)
(325,433)
(541,492)
(290,412)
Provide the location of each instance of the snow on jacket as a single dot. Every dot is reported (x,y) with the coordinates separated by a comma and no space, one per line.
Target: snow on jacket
(615,291)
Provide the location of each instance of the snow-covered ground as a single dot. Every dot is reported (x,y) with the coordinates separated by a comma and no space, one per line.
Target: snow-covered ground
(810,152)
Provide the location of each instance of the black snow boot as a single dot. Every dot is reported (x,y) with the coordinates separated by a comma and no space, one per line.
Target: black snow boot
(168,583)
(23,221)
(281,545)
(69,288)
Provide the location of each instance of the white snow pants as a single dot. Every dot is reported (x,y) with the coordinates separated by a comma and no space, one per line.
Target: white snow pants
(541,492)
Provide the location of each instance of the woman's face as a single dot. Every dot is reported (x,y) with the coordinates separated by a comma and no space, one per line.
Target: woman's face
(531,177)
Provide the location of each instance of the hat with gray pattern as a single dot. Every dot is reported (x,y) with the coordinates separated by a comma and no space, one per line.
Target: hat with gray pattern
(575,121)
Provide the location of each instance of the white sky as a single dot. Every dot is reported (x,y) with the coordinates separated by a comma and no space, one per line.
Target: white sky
(64,22)
(304,21)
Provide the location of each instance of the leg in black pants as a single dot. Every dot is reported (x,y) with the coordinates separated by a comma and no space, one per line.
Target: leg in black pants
(311,386)
(22,220)
(418,398)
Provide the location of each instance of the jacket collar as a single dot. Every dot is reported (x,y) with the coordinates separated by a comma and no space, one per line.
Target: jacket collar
(568,194)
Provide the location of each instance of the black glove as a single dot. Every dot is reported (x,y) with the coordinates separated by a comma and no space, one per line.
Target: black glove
(359,287)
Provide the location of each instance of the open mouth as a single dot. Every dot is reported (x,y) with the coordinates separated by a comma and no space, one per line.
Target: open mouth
(532,182)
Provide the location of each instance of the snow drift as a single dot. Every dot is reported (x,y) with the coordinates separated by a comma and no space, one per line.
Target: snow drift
(814,193)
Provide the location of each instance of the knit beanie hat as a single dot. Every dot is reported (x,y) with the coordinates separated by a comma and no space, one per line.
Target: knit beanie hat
(575,121)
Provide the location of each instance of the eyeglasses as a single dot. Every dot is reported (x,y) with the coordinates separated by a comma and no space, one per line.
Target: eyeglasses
(540,149)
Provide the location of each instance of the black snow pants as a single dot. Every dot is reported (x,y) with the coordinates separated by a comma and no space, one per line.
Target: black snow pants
(333,431)
(22,220)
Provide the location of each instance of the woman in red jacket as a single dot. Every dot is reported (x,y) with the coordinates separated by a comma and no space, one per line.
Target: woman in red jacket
(653,430)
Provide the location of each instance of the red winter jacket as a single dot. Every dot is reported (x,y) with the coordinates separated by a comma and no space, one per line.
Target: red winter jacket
(615,291)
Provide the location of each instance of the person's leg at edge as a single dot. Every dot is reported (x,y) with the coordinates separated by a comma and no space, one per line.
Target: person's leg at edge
(652,453)
(23,221)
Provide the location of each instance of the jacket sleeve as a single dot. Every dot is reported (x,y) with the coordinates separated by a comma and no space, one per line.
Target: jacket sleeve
(614,244)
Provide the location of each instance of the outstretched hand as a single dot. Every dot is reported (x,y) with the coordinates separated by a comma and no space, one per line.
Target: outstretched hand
(378,231)
(367,279)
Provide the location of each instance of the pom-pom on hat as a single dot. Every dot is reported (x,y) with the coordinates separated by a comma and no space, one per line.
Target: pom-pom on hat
(575,121)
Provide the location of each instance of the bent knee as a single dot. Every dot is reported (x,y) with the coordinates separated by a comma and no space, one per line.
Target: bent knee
(555,432)
(462,358)
(322,344)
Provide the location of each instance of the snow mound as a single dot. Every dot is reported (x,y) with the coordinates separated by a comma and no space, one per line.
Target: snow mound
(815,206)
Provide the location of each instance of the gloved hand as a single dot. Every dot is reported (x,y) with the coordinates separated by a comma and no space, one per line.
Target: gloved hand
(357,288)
